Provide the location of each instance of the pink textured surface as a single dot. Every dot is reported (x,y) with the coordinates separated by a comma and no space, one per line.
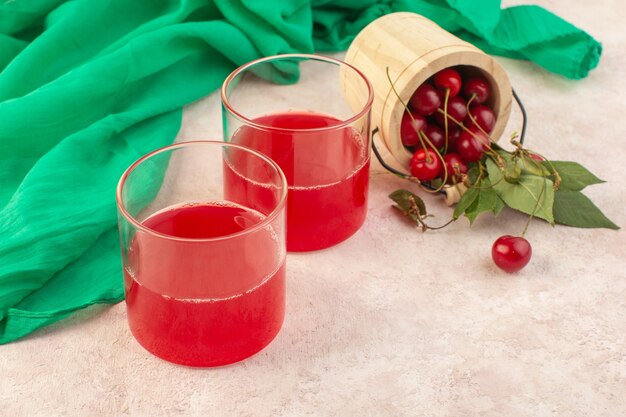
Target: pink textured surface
(394,322)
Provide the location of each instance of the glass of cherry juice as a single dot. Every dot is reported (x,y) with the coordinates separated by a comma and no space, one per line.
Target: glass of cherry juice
(301,111)
(202,230)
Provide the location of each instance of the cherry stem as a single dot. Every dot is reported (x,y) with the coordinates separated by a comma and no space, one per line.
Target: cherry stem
(522,135)
(473,119)
(481,170)
(537,164)
(442,226)
(532,214)
(460,124)
(425,137)
(555,172)
(445,120)
(467,105)
(420,219)
(425,186)
(406,109)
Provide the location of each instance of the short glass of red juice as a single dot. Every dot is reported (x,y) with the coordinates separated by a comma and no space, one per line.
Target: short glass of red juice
(204,265)
(301,111)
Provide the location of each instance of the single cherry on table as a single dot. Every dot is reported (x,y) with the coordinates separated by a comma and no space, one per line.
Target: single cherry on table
(511,253)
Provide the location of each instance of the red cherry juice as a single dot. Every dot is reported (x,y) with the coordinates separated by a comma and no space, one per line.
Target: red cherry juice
(327,170)
(206,303)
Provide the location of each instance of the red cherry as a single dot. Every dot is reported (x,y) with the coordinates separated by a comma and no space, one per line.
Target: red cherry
(425,164)
(454,164)
(454,132)
(477,134)
(477,86)
(470,148)
(482,116)
(448,79)
(457,109)
(436,135)
(409,128)
(511,253)
(425,100)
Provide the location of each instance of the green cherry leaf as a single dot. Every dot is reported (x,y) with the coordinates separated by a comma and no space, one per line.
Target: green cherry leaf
(486,201)
(479,198)
(532,166)
(404,199)
(409,204)
(573,208)
(498,207)
(436,183)
(531,194)
(512,172)
(465,202)
(488,196)
(574,177)
(472,174)
(472,212)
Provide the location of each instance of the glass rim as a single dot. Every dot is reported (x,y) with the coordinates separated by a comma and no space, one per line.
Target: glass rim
(305,57)
(137,224)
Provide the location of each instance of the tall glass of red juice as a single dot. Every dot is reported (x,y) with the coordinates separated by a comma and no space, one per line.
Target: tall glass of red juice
(204,267)
(293,108)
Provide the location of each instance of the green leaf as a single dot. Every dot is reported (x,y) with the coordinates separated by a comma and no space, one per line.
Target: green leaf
(532,166)
(574,177)
(573,208)
(488,196)
(531,195)
(479,198)
(467,199)
(436,183)
(498,207)
(407,201)
(507,157)
(486,201)
(512,172)
(472,174)
(472,211)
(410,205)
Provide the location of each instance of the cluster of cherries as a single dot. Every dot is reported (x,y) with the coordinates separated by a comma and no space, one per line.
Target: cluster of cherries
(447,118)
(446,126)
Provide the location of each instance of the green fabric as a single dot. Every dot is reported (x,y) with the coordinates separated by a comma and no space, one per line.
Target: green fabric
(86,87)
(521,32)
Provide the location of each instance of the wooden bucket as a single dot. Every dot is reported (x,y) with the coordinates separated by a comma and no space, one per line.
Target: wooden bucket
(414,48)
